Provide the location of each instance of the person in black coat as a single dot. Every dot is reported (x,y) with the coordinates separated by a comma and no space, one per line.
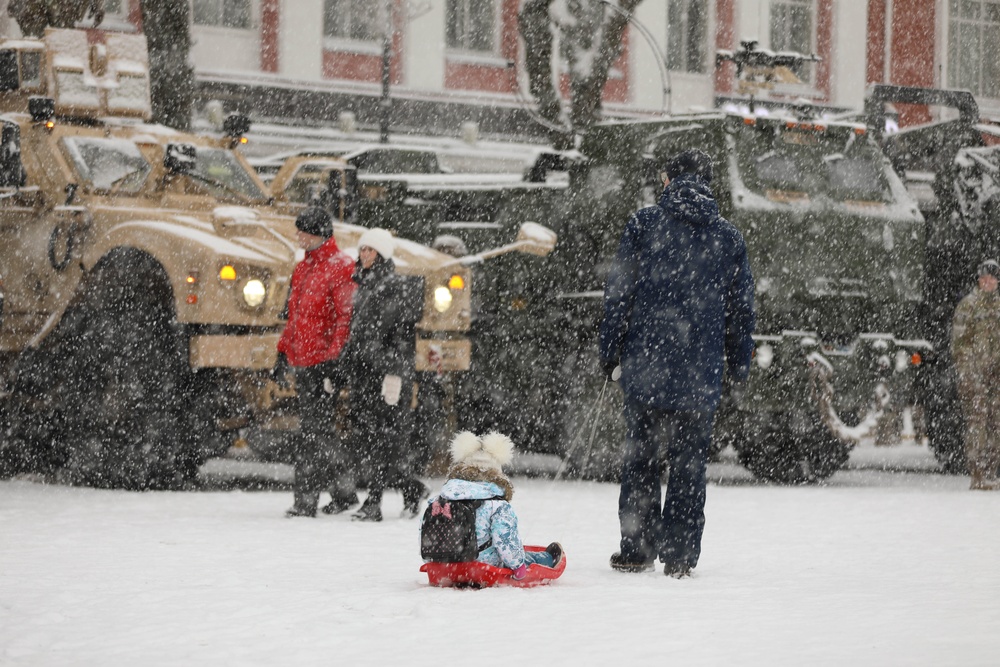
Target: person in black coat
(678,311)
(379,360)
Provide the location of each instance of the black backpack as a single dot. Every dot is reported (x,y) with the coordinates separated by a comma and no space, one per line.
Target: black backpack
(448,534)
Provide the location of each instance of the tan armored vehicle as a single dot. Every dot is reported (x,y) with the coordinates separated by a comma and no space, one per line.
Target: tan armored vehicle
(145,272)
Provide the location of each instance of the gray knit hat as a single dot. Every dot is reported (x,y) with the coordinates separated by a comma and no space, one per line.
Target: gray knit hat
(989,268)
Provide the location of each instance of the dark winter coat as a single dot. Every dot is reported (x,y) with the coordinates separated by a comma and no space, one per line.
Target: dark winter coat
(678,303)
(382,342)
(387,307)
(319,307)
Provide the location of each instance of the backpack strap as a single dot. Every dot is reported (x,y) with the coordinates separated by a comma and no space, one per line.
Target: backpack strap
(486,545)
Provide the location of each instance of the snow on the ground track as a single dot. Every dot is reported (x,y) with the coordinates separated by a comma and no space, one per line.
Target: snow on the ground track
(857,571)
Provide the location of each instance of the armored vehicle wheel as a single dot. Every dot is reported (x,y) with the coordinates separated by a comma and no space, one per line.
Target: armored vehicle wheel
(128,384)
(790,448)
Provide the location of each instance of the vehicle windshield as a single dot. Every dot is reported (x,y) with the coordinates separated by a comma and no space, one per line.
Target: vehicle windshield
(218,170)
(307,183)
(392,161)
(108,164)
(805,162)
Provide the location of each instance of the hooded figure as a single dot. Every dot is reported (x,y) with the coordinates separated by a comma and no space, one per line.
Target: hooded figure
(477,473)
(678,313)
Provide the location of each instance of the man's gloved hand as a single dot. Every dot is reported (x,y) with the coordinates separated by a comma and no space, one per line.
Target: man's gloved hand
(612,371)
(737,390)
(334,379)
(280,371)
(392,385)
(520,573)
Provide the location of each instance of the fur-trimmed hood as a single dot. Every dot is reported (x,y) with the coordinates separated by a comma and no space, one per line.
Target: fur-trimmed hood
(486,476)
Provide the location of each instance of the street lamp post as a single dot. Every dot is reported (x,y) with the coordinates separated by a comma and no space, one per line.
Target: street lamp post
(385,102)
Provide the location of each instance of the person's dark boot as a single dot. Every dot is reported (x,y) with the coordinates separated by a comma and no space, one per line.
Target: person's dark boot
(369,511)
(338,505)
(304,505)
(556,551)
(412,495)
(677,570)
(623,564)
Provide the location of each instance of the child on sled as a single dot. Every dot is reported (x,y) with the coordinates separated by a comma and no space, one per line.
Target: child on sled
(477,489)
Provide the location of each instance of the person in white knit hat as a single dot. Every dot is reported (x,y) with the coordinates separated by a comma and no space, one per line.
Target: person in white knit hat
(476,475)
(379,360)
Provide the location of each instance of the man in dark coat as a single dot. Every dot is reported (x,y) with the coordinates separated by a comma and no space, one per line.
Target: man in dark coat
(319,315)
(678,306)
(379,360)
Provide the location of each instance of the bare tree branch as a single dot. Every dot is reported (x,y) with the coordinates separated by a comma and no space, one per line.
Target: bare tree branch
(587,91)
(534,24)
(590,22)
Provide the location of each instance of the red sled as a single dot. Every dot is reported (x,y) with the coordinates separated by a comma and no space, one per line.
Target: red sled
(481,575)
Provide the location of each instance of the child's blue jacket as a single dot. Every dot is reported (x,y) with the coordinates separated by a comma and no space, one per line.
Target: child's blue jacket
(495,519)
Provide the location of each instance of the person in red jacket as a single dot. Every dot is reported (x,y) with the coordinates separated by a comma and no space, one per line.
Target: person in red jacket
(319,316)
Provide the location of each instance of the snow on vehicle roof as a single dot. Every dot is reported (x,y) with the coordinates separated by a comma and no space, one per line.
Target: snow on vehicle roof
(271,144)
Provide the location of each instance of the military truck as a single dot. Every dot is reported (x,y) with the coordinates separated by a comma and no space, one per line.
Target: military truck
(146,272)
(948,167)
(405,189)
(837,245)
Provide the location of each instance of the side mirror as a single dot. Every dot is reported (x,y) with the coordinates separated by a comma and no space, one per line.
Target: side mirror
(236,125)
(42,109)
(10,78)
(536,239)
(179,158)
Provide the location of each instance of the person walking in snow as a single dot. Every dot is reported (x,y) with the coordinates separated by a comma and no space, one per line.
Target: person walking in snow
(379,360)
(476,474)
(319,314)
(678,306)
(975,348)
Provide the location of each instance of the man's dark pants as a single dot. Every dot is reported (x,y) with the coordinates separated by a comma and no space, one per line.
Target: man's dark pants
(673,531)
(321,458)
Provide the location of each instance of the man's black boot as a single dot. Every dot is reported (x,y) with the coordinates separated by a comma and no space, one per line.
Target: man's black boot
(677,570)
(623,564)
(338,505)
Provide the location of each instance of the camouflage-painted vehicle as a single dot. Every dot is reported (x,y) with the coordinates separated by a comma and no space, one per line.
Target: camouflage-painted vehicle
(951,171)
(836,244)
(146,272)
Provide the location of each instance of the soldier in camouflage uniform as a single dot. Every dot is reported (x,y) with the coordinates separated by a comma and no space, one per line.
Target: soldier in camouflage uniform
(976,351)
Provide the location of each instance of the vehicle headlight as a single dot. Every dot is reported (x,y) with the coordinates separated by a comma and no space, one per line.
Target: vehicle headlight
(442,299)
(254,292)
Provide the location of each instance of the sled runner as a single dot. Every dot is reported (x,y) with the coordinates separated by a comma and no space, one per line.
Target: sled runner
(480,575)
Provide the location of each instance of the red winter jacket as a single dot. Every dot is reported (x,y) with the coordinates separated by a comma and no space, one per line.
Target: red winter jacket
(319,306)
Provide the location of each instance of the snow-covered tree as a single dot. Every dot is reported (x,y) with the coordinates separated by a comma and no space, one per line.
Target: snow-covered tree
(166,24)
(587,34)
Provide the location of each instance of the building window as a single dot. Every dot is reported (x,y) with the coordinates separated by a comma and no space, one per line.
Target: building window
(222,13)
(974,46)
(472,25)
(361,20)
(792,30)
(687,29)
(115,7)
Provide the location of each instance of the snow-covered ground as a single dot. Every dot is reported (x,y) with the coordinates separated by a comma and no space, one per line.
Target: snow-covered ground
(873,568)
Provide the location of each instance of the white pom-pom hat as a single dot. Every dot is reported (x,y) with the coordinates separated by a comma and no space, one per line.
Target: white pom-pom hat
(380,241)
(490,452)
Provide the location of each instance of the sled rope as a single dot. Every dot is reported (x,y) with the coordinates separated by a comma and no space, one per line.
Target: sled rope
(577,439)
